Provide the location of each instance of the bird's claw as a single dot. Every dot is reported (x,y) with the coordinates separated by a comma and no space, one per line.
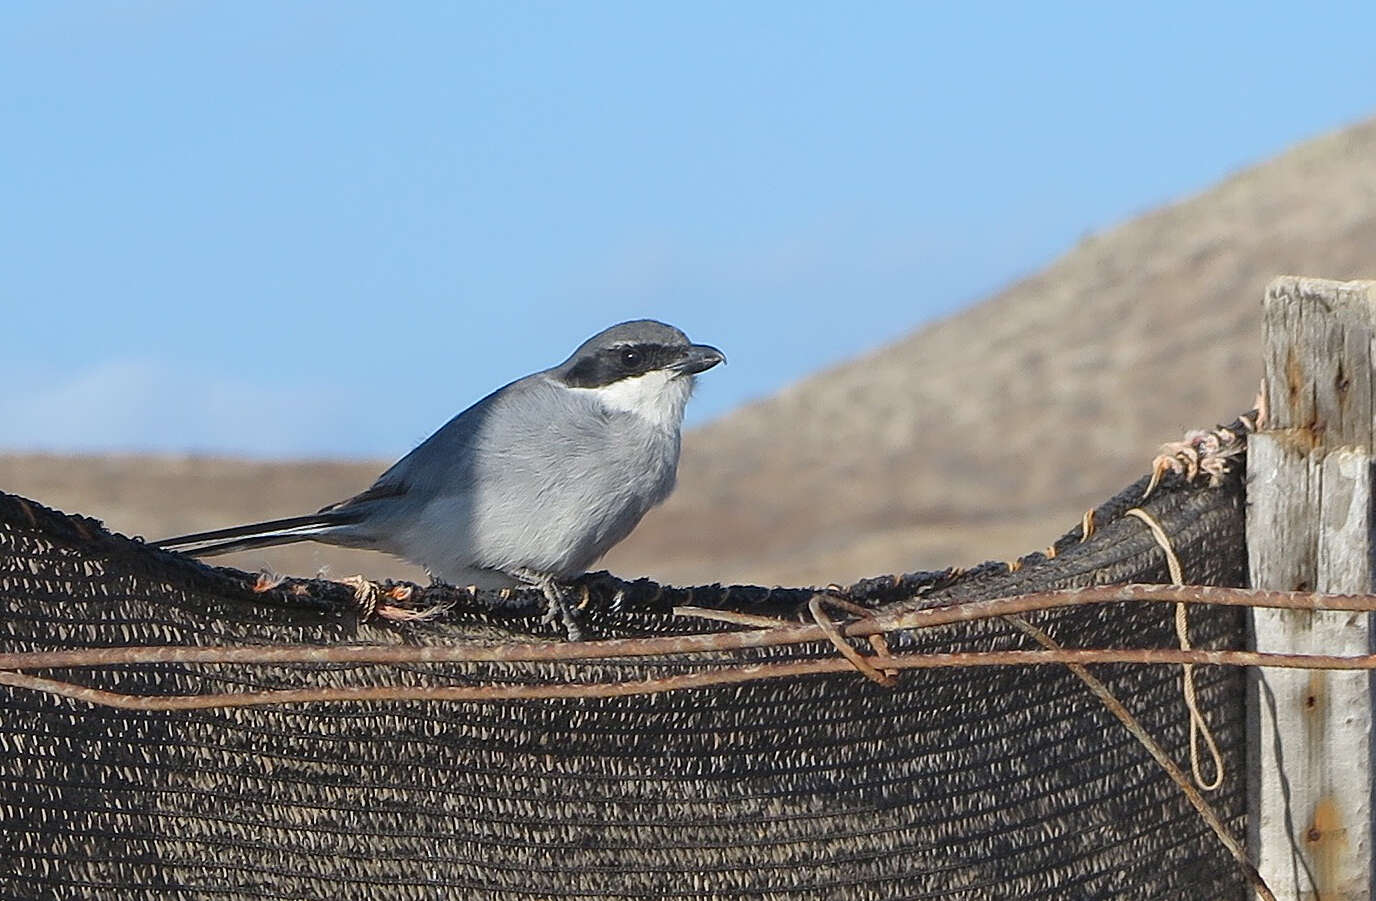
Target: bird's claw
(560,609)
(557,606)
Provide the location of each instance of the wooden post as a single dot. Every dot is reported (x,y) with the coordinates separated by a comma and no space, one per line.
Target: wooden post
(1309,527)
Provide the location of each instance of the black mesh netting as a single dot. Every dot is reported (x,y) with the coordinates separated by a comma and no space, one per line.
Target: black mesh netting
(958,784)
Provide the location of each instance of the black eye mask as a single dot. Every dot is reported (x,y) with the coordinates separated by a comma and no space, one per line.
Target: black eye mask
(616,363)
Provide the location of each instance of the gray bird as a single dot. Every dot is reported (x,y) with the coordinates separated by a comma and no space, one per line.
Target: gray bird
(533,483)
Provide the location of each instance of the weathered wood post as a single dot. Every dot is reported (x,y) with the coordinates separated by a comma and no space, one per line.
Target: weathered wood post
(1309,527)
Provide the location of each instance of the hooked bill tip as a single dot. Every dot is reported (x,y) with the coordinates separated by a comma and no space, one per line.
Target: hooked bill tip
(700,358)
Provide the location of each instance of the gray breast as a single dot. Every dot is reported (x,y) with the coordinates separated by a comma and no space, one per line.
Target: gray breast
(547,480)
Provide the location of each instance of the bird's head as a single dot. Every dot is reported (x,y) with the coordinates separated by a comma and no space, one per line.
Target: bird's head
(642,367)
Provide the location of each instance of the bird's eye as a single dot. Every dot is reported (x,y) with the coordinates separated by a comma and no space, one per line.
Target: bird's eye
(630,358)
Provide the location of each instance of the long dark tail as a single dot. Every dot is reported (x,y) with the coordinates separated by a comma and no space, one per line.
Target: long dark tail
(259,534)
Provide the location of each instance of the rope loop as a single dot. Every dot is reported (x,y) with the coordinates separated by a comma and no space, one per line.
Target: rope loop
(1198,725)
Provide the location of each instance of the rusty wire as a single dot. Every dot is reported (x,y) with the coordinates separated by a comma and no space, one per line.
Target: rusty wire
(1192,793)
(771,636)
(714,676)
(713,672)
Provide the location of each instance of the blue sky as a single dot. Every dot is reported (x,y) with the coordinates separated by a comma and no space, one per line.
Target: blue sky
(284,229)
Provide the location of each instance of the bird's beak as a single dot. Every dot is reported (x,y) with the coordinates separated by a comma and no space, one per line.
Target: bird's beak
(698,358)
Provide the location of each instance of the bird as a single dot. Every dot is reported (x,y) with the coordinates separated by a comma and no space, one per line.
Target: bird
(529,486)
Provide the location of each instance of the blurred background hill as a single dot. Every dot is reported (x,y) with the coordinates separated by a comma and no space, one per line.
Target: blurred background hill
(982,435)
(987,434)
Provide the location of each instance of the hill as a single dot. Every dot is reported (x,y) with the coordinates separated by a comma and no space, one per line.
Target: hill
(987,434)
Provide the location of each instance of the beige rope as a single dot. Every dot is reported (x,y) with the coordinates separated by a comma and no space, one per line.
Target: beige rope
(1198,725)
(365,595)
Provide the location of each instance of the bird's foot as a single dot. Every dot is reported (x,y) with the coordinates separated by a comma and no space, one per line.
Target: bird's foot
(558,608)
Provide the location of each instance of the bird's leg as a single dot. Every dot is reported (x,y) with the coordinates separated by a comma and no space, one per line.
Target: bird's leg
(556,601)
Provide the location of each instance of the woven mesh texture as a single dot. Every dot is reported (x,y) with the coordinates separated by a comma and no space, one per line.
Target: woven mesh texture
(978,783)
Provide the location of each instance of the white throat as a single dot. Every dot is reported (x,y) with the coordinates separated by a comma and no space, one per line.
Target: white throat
(658,397)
